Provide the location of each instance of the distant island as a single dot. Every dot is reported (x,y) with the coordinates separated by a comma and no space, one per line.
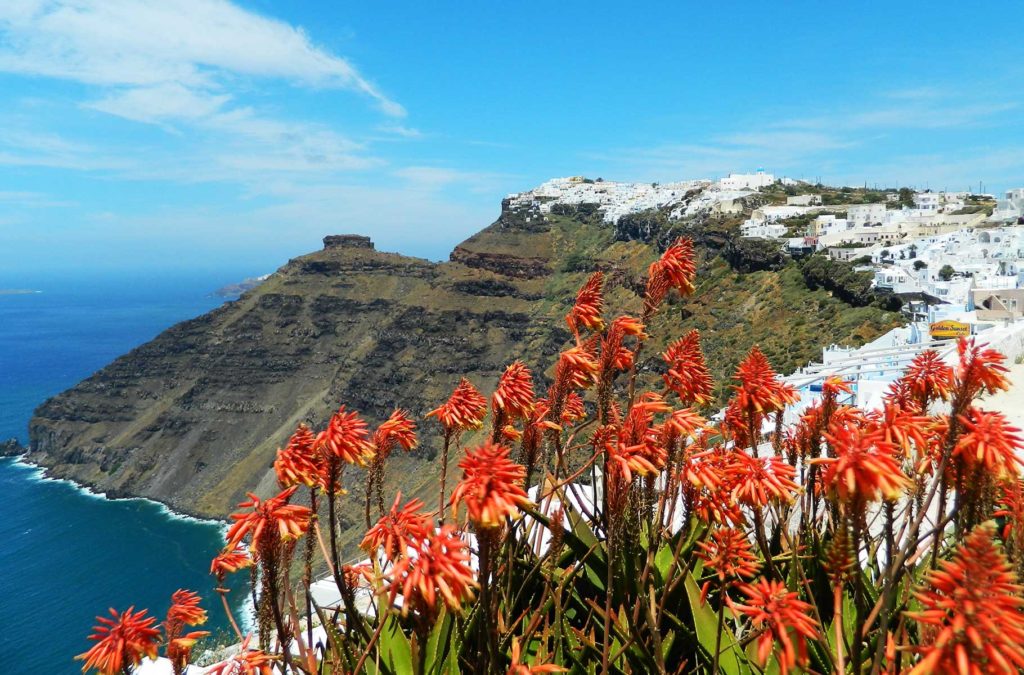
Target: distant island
(17,291)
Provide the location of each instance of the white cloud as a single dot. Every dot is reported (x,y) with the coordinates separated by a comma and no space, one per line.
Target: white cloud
(185,66)
(30,199)
(434,178)
(400,130)
(781,151)
(194,44)
(21,147)
(161,102)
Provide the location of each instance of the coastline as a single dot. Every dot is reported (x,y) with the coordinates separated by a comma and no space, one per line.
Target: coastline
(40,475)
(34,473)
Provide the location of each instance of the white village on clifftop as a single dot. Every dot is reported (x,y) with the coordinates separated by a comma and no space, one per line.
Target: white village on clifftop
(955,260)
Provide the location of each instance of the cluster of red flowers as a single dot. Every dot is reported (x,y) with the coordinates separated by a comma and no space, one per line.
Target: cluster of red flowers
(465,409)
(397,430)
(246,662)
(989,443)
(865,467)
(688,375)
(125,639)
(784,619)
(230,561)
(398,531)
(298,463)
(426,565)
(269,521)
(491,489)
(928,378)
(972,612)
(759,393)
(184,611)
(437,571)
(676,268)
(728,554)
(512,400)
(589,305)
(121,642)
(346,438)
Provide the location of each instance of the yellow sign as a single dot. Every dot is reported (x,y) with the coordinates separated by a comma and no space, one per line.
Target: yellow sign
(949,329)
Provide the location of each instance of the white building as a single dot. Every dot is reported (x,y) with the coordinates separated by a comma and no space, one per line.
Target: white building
(1011,209)
(827,224)
(746,181)
(927,201)
(865,214)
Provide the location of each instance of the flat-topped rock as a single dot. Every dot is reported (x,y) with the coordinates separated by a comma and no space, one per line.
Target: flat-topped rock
(347,241)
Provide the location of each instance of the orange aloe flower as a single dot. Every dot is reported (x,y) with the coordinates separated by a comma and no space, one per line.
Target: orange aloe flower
(683,422)
(573,410)
(833,386)
(928,378)
(121,642)
(900,428)
(586,312)
(676,268)
(729,555)
(273,517)
(245,662)
(864,468)
(761,480)
(688,375)
(185,609)
(399,530)
(759,389)
(465,409)
(624,459)
(438,572)
(615,356)
(519,667)
(714,505)
(491,488)
(577,367)
(783,618)
(971,612)
(988,440)
(346,438)
(514,395)
(397,430)
(230,561)
(297,463)
(981,368)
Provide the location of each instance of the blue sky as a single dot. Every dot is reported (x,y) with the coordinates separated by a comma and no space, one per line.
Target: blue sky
(207,134)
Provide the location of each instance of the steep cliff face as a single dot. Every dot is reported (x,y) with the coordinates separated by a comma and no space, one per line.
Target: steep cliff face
(193,418)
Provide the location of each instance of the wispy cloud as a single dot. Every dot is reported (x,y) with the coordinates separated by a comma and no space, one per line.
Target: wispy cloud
(400,130)
(23,147)
(842,145)
(186,67)
(194,44)
(31,199)
(777,150)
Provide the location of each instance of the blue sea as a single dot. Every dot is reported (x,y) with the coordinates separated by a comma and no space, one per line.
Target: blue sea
(65,555)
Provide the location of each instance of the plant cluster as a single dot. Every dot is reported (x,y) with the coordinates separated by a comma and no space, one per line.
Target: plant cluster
(612,524)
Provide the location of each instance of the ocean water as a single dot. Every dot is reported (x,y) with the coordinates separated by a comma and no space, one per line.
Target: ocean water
(66,556)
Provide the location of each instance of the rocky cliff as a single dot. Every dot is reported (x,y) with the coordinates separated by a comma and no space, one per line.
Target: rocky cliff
(193,418)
